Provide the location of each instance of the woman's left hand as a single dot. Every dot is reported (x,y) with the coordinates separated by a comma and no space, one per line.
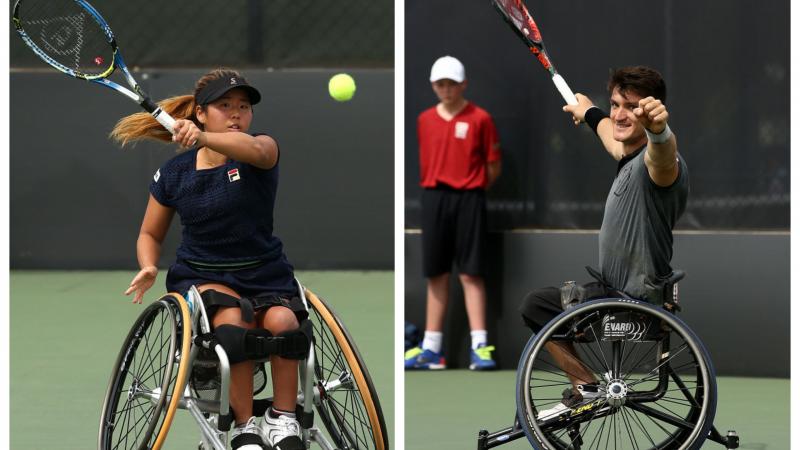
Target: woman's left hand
(187,134)
(142,282)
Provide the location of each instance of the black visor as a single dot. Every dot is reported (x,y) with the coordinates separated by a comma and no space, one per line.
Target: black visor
(217,88)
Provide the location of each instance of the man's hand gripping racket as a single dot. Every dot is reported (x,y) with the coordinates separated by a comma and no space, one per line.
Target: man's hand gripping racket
(73,38)
(516,15)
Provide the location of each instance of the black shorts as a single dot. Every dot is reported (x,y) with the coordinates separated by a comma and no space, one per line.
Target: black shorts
(541,306)
(453,229)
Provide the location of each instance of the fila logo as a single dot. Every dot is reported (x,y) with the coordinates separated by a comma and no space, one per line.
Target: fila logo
(233,80)
(157,175)
(233,175)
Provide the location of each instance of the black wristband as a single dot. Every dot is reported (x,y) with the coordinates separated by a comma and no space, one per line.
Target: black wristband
(593,116)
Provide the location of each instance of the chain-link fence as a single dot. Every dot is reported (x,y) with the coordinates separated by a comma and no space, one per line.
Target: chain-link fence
(245,33)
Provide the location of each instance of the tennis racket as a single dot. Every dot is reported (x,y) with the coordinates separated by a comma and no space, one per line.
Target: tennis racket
(73,37)
(519,19)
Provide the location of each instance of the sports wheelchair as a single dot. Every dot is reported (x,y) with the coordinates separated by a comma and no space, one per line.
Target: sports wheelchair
(163,367)
(656,384)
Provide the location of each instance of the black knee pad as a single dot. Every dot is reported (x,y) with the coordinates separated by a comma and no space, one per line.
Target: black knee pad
(243,344)
(295,343)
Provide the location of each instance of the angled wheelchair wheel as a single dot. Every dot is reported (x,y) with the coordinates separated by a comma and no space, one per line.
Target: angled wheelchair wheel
(148,378)
(656,387)
(348,403)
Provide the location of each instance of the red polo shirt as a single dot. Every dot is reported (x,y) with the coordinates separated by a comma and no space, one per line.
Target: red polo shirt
(456,152)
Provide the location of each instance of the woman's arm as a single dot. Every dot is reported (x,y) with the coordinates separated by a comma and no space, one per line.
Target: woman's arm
(260,151)
(155,225)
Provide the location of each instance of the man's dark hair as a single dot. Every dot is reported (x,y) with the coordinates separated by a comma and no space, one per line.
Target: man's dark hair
(640,80)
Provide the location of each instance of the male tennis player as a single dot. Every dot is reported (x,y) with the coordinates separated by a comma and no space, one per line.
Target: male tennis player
(459,159)
(646,198)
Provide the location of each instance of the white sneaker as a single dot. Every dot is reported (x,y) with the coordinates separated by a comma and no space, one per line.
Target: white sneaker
(282,432)
(247,436)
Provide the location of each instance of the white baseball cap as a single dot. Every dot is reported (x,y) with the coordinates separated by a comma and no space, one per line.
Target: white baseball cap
(449,68)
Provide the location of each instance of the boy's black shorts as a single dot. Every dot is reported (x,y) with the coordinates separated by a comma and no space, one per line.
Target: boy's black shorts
(453,229)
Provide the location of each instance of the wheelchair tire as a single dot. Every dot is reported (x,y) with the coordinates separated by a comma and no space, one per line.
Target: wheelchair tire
(350,411)
(148,378)
(657,386)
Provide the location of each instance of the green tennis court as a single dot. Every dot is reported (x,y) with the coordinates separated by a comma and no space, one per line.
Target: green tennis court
(67,328)
(466,402)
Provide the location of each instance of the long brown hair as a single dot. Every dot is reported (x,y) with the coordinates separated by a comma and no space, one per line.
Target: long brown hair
(143,126)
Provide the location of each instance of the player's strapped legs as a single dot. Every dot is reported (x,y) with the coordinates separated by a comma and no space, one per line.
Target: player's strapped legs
(242,344)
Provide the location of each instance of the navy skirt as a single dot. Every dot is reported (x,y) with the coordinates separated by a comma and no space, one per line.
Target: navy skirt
(265,285)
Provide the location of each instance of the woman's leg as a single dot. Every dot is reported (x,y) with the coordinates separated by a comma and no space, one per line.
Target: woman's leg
(276,320)
(241,391)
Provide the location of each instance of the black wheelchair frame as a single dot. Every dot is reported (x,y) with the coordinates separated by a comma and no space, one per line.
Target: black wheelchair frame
(588,324)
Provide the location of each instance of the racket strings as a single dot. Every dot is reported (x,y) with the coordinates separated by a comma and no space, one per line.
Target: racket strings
(67,35)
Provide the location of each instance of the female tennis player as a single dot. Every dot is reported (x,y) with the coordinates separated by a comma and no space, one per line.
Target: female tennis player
(223,187)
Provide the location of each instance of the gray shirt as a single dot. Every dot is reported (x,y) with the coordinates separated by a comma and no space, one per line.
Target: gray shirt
(636,235)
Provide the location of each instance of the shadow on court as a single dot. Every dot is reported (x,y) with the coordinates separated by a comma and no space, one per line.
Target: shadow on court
(67,328)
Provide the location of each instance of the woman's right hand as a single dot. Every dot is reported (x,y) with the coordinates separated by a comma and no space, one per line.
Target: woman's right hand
(142,282)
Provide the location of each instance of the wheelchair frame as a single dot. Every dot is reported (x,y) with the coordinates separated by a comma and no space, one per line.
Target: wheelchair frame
(198,407)
(213,417)
(487,440)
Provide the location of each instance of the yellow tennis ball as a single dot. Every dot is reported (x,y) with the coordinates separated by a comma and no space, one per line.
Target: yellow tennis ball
(342,87)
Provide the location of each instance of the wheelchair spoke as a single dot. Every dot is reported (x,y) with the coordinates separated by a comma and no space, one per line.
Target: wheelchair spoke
(682,387)
(606,366)
(560,373)
(341,405)
(135,399)
(641,426)
(599,434)
(662,363)
(664,417)
(640,362)
(588,423)
(629,427)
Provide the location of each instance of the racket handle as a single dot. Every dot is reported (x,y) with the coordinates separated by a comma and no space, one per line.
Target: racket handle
(164,119)
(564,90)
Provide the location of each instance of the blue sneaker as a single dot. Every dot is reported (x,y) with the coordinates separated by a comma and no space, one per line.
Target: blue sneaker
(418,359)
(481,358)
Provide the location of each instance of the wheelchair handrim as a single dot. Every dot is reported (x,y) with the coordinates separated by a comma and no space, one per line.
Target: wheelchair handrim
(360,373)
(183,365)
(113,392)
